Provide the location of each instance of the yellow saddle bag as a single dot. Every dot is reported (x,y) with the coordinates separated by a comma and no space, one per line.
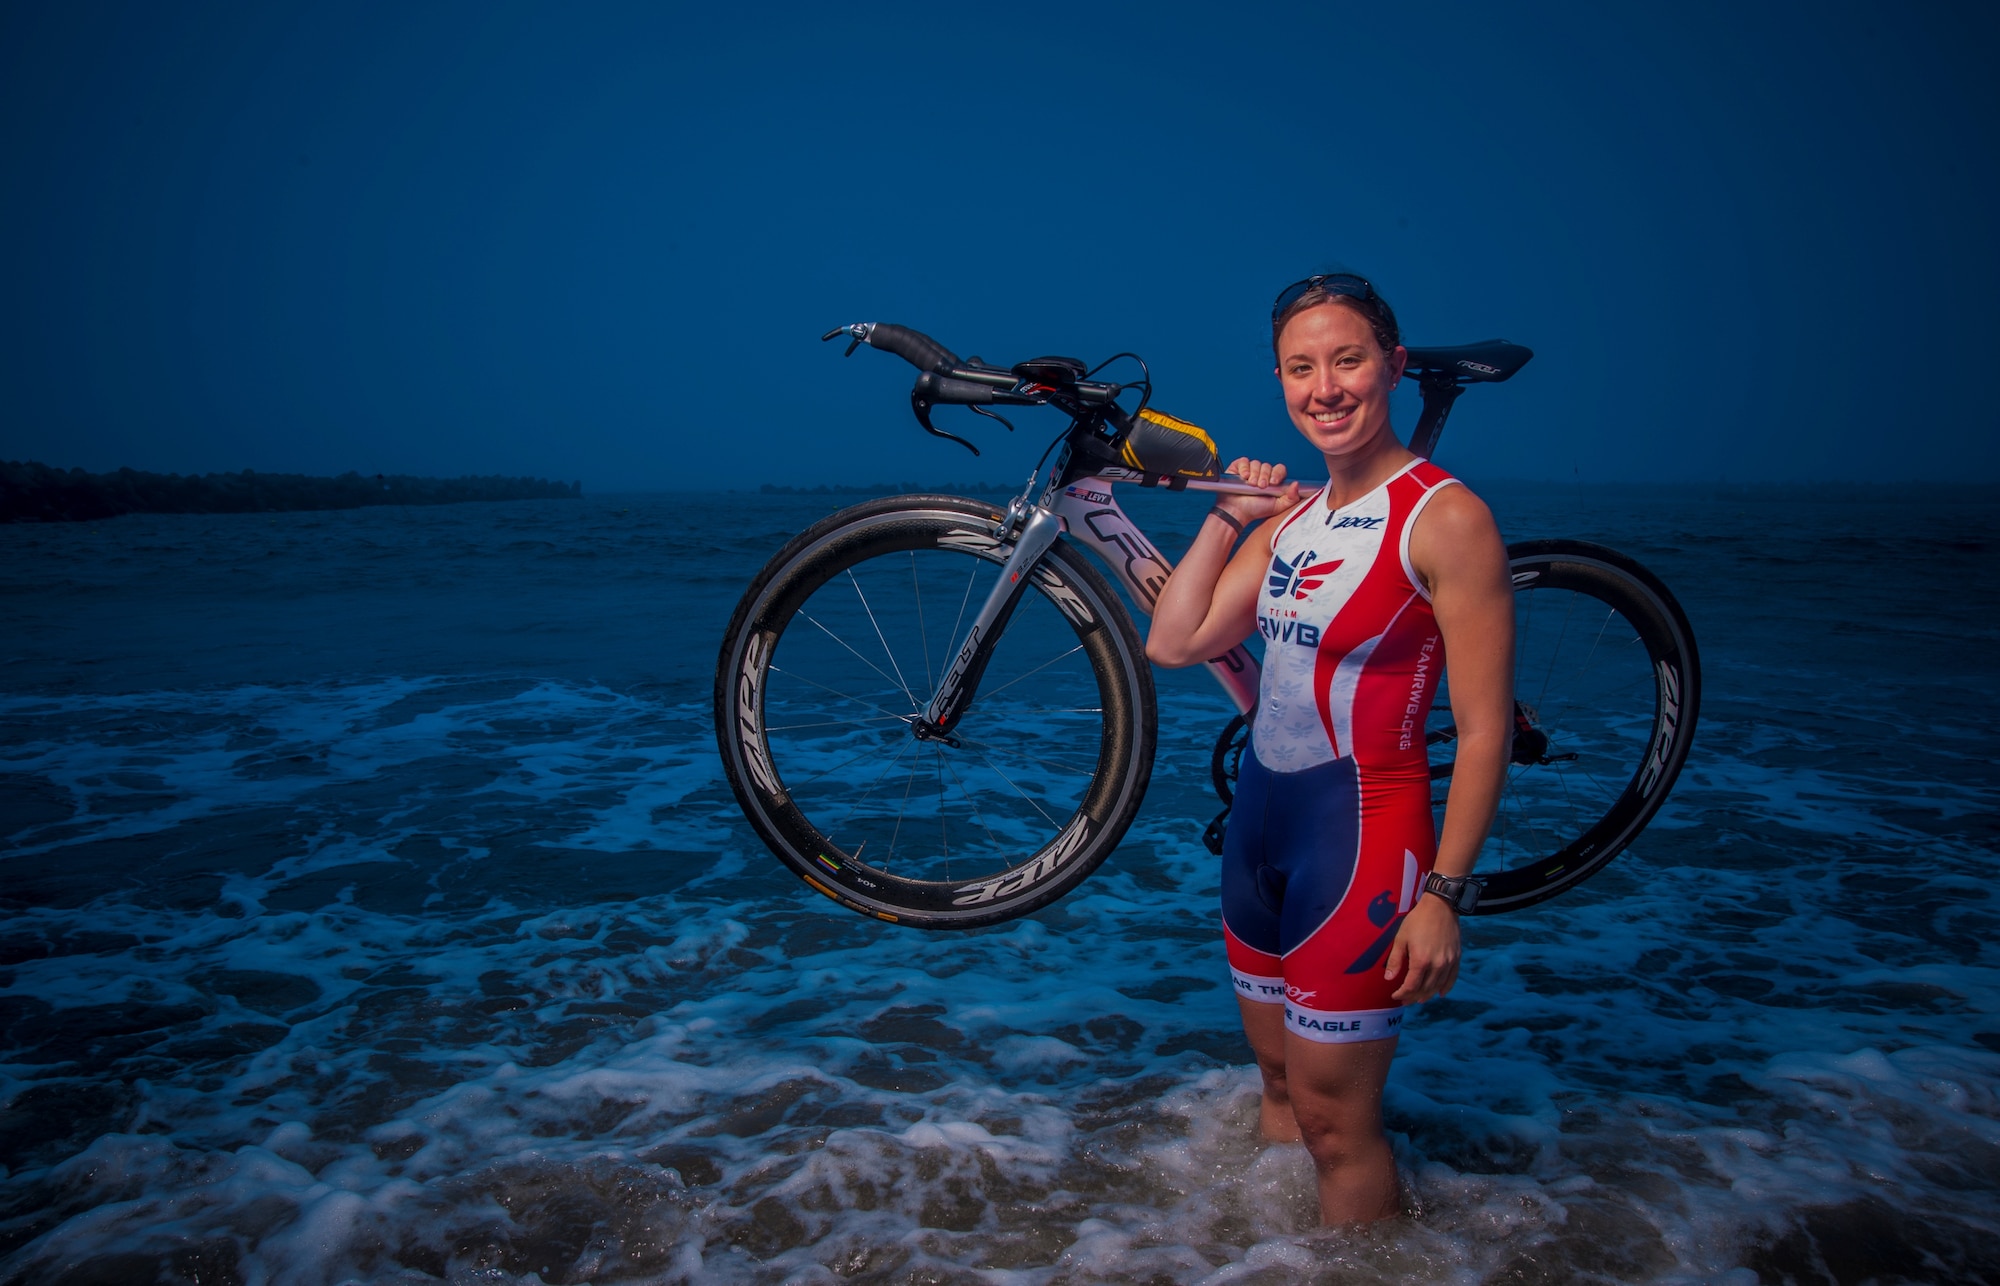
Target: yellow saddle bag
(1161,444)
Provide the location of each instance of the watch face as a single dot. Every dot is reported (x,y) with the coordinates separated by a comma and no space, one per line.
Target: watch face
(1461,891)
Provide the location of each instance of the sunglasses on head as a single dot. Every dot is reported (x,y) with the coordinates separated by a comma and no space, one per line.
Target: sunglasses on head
(1333,283)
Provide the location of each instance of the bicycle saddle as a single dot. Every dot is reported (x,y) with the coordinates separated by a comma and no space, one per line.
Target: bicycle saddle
(1488,361)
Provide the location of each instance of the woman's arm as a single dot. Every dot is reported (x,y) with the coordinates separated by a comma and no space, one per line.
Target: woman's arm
(1209,604)
(1457,550)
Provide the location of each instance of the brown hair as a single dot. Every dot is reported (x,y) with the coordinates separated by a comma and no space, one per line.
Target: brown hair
(1374,310)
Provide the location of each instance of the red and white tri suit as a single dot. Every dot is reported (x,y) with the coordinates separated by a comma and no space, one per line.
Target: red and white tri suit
(1330,834)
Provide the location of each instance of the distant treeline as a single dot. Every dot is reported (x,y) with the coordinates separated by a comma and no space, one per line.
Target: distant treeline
(892,488)
(32,492)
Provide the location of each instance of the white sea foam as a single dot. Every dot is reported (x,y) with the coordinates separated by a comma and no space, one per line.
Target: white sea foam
(966,1069)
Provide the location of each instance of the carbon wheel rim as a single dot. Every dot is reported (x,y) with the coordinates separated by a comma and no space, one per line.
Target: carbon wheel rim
(839,655)
(1606,686)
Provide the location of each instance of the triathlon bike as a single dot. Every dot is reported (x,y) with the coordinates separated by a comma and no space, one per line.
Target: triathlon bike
(937,712)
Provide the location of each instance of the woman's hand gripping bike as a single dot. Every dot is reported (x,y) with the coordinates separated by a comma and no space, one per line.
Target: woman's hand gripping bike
(939,713)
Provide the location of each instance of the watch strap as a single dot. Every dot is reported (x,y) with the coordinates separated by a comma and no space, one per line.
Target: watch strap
(1461,893)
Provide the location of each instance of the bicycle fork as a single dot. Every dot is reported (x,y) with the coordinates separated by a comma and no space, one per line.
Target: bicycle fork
(1086,510)
(961,679)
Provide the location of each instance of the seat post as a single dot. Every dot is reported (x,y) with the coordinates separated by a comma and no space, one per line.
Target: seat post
(1439,392)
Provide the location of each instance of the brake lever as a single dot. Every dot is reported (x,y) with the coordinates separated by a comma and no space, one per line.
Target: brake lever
(1005,423)
(922,406)
(857,329)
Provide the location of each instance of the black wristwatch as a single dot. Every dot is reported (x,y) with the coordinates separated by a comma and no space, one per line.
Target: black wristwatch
(1460,893)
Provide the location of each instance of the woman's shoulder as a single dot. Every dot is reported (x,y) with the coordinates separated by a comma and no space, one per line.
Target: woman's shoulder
(1451,503)
(1454,524)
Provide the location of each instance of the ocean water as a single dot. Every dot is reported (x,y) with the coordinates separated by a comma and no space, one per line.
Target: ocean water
(375,911)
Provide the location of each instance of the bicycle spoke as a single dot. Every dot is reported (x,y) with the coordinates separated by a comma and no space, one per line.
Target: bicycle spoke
(974,744)
(971,579)
(864,660)
(917,593)
(944,833)
(1526,818)
(1618,690)
(866,607)
(837,767)
(1555,652)
(901,812)
(1562,780)
(1602,789)
(860,701)
(1017,790)
(1037,670)
(837,723)
(973,800)
(863,797)
(1610,615)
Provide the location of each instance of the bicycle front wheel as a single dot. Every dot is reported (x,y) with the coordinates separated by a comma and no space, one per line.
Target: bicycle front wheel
(1607,685)
(831,657)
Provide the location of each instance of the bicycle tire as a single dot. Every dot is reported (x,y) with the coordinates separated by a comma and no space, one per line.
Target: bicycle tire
(1066,812)
(1611,679)
(1621,588)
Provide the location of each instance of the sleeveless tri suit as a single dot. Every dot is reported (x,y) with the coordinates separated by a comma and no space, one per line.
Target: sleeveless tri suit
(1330,836)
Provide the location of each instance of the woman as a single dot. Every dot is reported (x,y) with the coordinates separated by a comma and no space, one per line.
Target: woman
(1340,902)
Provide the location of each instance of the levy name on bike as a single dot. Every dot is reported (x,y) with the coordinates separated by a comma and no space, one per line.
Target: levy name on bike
(1340,898)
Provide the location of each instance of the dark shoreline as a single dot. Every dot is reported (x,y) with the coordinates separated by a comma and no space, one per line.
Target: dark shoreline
(891,489)
(34,492)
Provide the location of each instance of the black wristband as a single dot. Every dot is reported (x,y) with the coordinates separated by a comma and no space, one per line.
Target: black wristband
(1460,893)
(1230,518)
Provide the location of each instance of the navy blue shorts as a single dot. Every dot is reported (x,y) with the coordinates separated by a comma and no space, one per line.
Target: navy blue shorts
(1319,867)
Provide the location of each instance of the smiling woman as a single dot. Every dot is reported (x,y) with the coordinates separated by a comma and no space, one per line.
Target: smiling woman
(1363,589)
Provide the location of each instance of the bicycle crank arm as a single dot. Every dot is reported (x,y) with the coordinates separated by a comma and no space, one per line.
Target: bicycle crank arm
(961,682)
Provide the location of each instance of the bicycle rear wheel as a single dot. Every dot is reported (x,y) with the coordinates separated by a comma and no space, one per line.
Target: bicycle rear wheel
(831,656)
(1607,686)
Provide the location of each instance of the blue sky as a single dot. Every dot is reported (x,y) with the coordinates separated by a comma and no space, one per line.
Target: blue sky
(600,241)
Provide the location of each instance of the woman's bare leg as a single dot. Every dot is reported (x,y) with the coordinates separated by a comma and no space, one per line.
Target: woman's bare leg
(1334,1094)
(1265,1026)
